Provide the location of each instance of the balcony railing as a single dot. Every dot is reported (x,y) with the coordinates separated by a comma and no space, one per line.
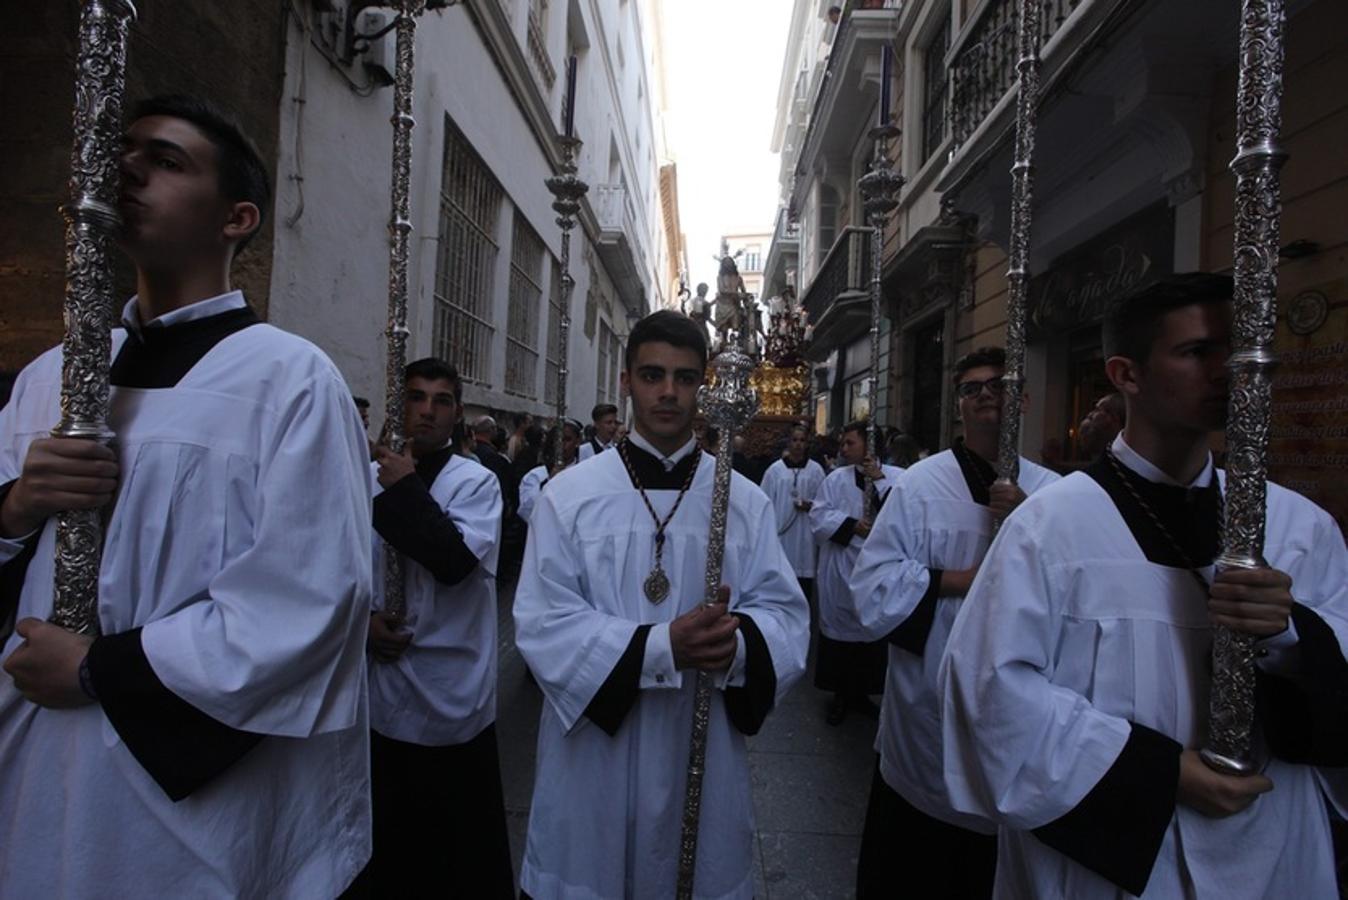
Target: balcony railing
(984,68)
(613,209)
(785,230)
(847,268)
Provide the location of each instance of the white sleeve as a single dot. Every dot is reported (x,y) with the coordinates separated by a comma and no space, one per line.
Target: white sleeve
(1018,749)
(890,576)
(277,646)
(570,646)
(826,517)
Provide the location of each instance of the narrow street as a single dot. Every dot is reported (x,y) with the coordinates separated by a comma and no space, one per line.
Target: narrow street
(810,781)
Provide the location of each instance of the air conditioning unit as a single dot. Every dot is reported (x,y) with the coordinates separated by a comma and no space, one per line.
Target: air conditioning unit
(378,51)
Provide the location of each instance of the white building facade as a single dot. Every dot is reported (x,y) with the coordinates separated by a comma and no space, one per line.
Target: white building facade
(485,279)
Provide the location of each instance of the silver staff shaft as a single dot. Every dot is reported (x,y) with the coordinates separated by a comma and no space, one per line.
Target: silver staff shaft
(879,191)
(1257,165)
(1018,273)
(730,404)
(400,232)
(91,220)
(568,189)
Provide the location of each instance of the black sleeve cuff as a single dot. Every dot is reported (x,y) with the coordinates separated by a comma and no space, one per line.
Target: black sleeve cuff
(1117,829)
(845,531)
(749,704)
(180,746)
(12,575)
(619,691)
(911,634)
(1305,719)
(408,517)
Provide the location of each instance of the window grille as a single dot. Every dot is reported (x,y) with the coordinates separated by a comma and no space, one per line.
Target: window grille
(470,208)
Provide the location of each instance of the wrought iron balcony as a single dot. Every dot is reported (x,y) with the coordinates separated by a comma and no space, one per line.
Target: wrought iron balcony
(837,301)
(984,65)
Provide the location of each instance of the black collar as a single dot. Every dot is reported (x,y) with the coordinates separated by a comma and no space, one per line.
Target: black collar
(650,471)
(786,461)
(978,472)
(159,357)
(430,465)
(1191,515)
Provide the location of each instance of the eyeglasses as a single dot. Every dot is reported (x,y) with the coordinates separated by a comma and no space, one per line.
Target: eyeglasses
(970,389)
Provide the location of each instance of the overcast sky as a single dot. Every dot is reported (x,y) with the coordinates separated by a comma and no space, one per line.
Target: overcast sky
(724,59)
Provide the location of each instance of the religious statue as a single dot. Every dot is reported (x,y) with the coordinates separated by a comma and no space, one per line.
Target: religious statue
(729,304)
(698,309)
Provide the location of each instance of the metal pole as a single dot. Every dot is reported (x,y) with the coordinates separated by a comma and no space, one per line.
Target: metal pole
(400,230)
(879,191)
(91,220)
(729,405)
(568,189)
(1258,212)
(1018,274)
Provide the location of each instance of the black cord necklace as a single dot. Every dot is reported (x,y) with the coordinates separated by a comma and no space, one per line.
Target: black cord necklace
(1160,526)
(656,585)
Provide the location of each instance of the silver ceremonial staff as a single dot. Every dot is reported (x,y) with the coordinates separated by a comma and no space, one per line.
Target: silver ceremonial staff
(91,220)
(400,231)
(729,405)
(1258,212)
(879,191)
(568,189)
(1018,272)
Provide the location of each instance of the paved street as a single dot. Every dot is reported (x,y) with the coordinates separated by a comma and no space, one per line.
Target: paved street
(810,782)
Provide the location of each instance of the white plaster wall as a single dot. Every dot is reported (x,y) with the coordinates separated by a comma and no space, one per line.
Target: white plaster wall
(330,275)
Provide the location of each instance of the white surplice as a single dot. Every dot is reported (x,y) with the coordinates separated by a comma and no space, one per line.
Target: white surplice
(239,542)
(442,690)
(839,499)
(606,810)
(785,485)
(530,486)
(1069,635)
(929,521)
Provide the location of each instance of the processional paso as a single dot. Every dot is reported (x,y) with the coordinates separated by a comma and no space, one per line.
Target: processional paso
(400,231)
(729,404)
(91,221)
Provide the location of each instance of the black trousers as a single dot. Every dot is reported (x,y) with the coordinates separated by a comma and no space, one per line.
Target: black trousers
(439,821)
(850,668)
(905,851)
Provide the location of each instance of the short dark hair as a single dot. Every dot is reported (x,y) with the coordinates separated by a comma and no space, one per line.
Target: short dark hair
(575,426)
(1131,325)
(601,410)
(242,174)
(667,327)
(860,426)
(361,402)
(434,369)
(519,418)
(976,359)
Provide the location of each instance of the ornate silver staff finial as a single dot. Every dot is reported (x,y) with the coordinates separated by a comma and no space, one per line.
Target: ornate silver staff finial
(880,194)
(1258,213)
(400,231)
(91,220)
(1018,272)
(569,190)
(729,405)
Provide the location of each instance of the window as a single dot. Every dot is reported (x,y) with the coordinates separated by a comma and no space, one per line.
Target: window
(470,208)
(526,299)
(538,43)
(753,259)
(601,375)
(934,83)
(552,365)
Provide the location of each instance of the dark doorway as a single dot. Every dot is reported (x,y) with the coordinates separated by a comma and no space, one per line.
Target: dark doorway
(928,381)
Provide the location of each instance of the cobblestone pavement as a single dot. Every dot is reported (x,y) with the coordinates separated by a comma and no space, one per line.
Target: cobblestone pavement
(810,781)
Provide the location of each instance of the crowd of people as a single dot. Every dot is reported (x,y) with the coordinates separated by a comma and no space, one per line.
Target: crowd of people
(292,687)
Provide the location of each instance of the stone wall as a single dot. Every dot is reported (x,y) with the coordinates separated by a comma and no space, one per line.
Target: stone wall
(229,52)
